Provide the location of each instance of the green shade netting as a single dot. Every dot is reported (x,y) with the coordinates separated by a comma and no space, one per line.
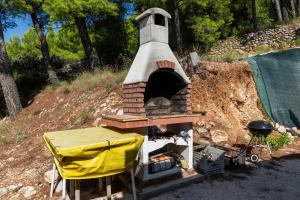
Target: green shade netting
(277,78)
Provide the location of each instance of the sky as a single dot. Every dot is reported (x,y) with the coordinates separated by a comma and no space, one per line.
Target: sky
(23,24)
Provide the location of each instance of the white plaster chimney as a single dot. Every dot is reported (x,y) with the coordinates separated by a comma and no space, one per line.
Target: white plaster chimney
(154,47)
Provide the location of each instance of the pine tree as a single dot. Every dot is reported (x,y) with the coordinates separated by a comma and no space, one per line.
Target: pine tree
(79,11)
(9,88)
(33,8)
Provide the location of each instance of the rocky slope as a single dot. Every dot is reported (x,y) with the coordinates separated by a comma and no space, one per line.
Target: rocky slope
(228,92)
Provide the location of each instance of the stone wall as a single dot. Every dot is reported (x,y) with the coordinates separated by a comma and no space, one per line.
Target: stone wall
(276,37)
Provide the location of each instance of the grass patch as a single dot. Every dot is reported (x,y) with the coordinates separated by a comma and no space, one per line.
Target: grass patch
(262,49)
(278,141)
(229,57)
(84,116)
(89,80)
(265,48)
(12,132)
(20,137)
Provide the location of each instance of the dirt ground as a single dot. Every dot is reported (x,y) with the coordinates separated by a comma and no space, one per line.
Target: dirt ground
(225,90)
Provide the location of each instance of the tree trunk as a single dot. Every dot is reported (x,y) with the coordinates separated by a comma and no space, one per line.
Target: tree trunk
(285,14)
(298,7)
(278,10)
(44,47)
(293,8)
(90,51)
(123,33)
(254,17)
(177,26)
(9,88)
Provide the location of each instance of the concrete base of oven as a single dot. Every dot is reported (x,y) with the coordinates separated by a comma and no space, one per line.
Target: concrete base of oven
(182,146)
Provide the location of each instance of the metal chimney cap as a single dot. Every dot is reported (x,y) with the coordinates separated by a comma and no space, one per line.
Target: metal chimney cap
(152,11)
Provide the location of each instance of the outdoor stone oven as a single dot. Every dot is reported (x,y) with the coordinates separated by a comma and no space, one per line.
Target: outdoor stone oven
(156,93)
(156,83)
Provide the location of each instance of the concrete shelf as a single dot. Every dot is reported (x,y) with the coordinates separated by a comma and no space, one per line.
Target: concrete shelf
(159,143)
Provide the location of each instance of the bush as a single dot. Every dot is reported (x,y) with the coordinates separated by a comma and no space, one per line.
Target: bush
(278,141)
(296,42)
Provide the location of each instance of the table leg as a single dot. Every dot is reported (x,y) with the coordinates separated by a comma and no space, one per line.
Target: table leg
(133,184)
(72,188)
(100,184)
(52,179)
(77,189)
(64,189)
(108,187)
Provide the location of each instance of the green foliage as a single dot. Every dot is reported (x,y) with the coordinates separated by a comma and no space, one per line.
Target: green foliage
(265,14)
(278,141)
(109,37)
(297,41)
(15,47)
(28,45)
(133,35)
(202,21)
(207,19)
(206,30)
(65,44)
(242,15)
(62,10)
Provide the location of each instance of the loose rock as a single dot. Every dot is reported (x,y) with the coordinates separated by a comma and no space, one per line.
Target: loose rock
(97,122)
(202,130)
(48,174)
(281,129)
(3,191)
(219,136)
(15,197)
(28,192)
(15,188)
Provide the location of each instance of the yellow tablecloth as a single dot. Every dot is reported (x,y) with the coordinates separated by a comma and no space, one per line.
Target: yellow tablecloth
(93,152)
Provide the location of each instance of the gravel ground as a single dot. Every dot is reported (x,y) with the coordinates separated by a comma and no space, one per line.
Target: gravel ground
(278,180)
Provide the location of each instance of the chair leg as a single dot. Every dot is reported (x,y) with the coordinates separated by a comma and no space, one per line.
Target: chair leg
(64,189)
(77,189)
(108,187)
(52,179)
(133,184)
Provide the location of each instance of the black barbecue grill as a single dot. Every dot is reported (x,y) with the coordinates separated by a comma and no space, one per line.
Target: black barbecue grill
(260,130)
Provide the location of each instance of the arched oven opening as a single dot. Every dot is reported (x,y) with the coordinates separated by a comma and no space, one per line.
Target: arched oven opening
(165,93)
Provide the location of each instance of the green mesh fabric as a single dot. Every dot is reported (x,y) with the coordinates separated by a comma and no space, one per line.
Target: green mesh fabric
(277,78)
